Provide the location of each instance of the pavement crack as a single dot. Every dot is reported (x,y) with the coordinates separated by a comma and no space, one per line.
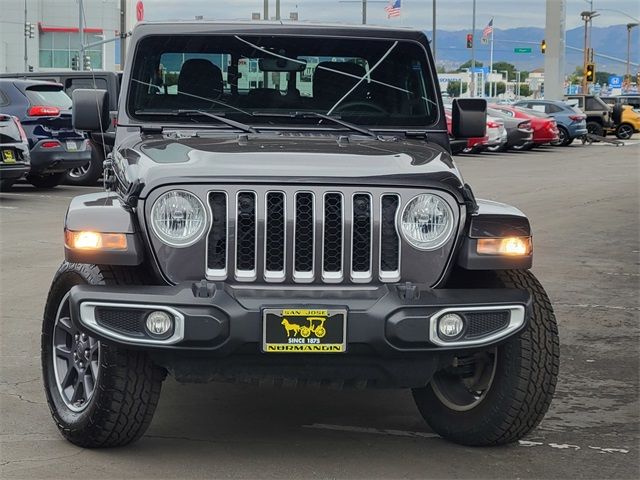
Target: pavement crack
(21,397)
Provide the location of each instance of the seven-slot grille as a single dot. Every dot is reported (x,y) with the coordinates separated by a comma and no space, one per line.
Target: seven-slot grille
(303,236)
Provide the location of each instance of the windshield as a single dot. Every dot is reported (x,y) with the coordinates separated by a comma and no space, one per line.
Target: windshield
(277,79)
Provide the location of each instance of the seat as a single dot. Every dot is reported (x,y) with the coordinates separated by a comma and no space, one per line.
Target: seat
(264,98)
(330,86)
(199,80)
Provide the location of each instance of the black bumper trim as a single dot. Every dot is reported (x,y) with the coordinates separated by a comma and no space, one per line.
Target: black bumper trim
(374,317)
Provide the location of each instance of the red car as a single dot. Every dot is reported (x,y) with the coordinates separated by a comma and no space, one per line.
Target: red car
(458,146)
(545,129)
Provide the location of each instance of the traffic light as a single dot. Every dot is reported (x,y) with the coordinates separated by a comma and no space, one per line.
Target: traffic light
(74,63)
(590,72)
(86,64)
(29,30)
(469,40)
(543,47)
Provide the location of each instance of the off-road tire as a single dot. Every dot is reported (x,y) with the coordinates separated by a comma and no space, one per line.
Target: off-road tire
(93,173)
(524,381)
(595,128)
(46,181)
(5,185)
(128,386)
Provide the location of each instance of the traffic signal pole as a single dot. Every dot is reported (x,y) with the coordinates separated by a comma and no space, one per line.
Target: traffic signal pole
(555,45)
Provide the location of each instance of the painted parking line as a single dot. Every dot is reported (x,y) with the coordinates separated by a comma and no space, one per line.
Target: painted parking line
(405,433)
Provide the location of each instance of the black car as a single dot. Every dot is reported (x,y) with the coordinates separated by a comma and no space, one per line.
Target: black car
(44,110)
(14,152)
(283,208)
(90,172)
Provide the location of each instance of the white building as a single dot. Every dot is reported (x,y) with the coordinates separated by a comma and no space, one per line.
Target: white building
(56,40)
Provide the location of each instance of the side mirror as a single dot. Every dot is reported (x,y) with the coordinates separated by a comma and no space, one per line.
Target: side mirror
(90,111)
(469,117)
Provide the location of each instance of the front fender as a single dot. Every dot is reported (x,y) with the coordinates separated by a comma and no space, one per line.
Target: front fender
(103,212)
(494,220)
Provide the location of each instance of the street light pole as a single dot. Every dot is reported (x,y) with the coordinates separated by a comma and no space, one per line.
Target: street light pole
(472,90)
(433,31)
(630,26)
(26,58)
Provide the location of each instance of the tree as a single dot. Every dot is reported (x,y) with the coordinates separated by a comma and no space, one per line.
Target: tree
(502,66)
(467,64)
(602,77)
(525,91)
(500,87)
(453,89)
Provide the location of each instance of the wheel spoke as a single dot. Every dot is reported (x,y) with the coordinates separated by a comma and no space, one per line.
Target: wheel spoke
(87,384)
(94,370)
(62,351)
(65,324)
(77,390)
(68,377)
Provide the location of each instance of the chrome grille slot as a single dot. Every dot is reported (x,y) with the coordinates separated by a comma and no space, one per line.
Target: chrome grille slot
(275,236)
(361,233)
(316,234)
(332,237)
(304,237)
(217,239)
(389,238)
(246,233)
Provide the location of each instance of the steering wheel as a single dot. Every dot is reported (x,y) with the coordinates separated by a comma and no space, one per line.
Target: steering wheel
(366,105)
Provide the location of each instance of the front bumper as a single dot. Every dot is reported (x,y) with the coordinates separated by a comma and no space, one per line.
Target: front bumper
(222,320)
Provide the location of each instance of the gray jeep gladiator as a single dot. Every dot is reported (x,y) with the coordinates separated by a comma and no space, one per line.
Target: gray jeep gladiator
(281,207)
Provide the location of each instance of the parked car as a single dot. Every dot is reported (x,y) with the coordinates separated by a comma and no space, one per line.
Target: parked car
(14,152)
(628,99)
(599,114)
(572,122)
(44,111)
(89,173)
(519,131)
(324,239)
(545,130)
(626,115)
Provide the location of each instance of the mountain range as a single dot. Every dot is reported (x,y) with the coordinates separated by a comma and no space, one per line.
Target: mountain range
(611,41)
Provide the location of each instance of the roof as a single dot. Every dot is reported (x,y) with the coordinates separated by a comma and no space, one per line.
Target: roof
(282,27)
(22,83)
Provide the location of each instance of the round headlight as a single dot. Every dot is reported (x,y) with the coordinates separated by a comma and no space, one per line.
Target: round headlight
(427,221)
(178,218)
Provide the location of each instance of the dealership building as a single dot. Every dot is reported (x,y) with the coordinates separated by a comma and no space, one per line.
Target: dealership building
(54,39)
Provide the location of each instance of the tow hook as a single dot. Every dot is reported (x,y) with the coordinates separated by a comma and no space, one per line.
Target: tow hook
(203,289)
(408,291)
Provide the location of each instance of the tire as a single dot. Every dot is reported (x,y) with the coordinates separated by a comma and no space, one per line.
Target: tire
(595,128)
(564,139)
(88,174)
(624,131)
(126,385)
(521,384)
(46,181)
(5,185)
(498,148)
(524,147)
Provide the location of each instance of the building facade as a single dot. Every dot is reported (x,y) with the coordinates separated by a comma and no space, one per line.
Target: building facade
(56,38)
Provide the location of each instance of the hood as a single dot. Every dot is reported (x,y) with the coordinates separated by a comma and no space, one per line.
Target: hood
(184,157)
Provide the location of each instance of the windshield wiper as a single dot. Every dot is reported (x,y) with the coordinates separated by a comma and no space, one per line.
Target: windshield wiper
(331,118)
(190,112)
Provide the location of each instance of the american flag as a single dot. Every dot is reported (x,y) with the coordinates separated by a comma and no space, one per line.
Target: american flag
(488,29)
(393,9)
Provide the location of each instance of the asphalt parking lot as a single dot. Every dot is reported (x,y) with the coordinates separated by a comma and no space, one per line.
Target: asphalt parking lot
(583,202)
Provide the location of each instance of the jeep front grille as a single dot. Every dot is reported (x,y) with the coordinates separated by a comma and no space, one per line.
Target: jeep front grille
(303,236)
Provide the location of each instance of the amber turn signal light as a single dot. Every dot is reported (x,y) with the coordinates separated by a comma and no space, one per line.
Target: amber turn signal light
(505,246)
(88,240)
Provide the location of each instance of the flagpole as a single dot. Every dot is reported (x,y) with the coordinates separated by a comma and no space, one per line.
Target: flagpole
(491,64)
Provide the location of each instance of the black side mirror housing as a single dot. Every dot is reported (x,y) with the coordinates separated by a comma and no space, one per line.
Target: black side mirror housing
(469,118)
(90,111)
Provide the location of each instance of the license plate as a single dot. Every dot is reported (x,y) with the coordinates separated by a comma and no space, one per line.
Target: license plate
(72,147)
(297,330)
(8,156)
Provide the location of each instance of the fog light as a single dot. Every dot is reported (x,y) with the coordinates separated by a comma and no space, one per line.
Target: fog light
(450,325)
(159,323)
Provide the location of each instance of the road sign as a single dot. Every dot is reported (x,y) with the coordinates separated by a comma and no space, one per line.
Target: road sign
(522,50)
(615,81)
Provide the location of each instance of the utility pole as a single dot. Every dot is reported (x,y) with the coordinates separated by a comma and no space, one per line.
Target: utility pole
(364,12)
(629,27)
(81,34)
(266,10)
(26,58)
(473,53)
(433,31)
(554,58)
(123,29)
(278,10)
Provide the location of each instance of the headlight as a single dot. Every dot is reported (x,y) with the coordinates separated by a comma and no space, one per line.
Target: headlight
(178,218)
(427,222)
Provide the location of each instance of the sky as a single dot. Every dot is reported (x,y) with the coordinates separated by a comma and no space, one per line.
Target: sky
(451,14)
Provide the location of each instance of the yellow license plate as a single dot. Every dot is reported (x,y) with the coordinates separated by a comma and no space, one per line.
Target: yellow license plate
(304,330)
(8,156)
